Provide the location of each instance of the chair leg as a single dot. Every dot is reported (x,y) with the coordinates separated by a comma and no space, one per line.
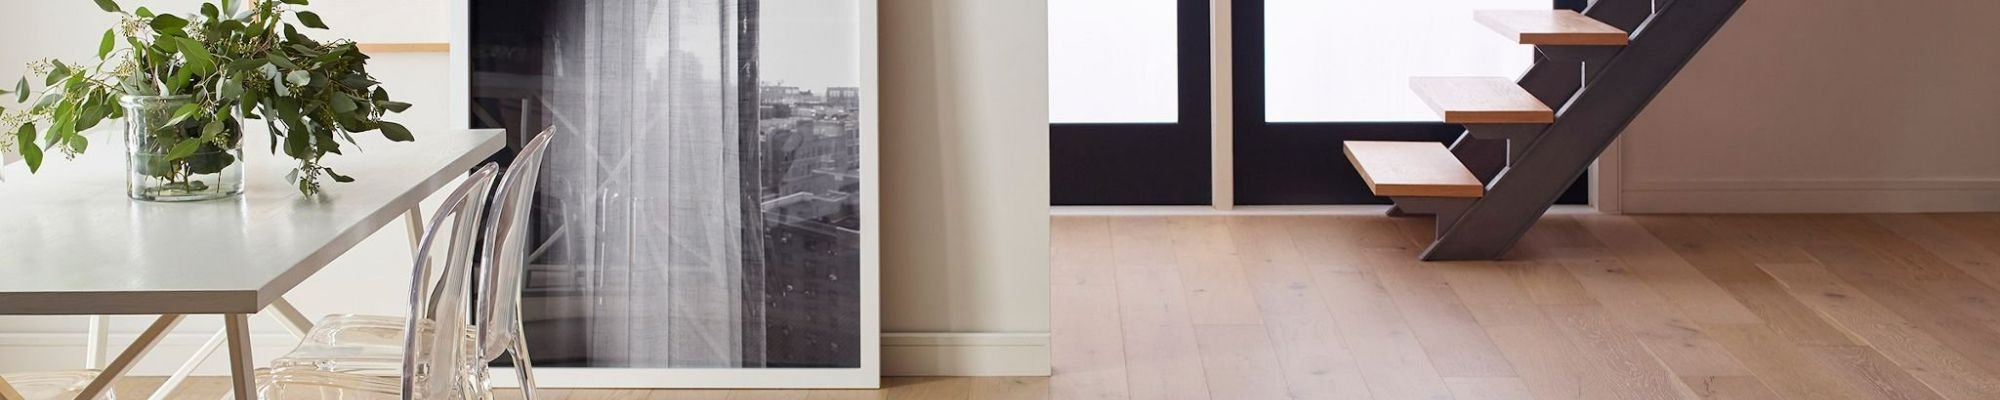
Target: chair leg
(524,368)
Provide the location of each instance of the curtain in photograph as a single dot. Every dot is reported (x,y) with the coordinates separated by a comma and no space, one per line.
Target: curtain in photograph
(652,192)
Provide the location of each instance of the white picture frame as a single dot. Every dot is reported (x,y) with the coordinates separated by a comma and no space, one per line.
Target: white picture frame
(866,376)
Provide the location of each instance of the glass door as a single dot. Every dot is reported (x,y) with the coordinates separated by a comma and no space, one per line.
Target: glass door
(1311,74)
(1129,102)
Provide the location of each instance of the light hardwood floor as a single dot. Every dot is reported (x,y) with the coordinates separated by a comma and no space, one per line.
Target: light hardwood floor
(1588,307)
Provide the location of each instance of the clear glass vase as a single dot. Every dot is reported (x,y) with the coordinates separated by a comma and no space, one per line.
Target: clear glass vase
(213,170)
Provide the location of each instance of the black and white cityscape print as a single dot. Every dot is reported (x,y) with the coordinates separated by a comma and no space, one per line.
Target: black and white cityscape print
(701,208)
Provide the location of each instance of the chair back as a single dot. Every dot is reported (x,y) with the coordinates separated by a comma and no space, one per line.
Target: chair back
(506,249)
(435,359)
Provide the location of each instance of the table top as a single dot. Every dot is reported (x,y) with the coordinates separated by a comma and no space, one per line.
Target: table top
(71,242)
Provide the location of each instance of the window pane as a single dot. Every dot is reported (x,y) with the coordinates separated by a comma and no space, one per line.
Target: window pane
(1113,61)
(1351,60)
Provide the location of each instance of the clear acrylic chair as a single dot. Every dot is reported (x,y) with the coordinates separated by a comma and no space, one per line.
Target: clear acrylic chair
(440,357)
(54,385)
(498,327)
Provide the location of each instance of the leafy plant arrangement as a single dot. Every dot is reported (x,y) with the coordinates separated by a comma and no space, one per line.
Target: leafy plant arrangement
(212,70)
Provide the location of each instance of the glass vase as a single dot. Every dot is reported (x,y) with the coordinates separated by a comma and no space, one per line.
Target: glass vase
(213,170)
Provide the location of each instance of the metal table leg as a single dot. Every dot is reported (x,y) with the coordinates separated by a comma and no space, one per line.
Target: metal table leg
(242,369)
(7,391)
(119,366)
(98,348)
(281,310)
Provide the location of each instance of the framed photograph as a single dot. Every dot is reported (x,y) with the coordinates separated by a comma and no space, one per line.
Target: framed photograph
(708,215)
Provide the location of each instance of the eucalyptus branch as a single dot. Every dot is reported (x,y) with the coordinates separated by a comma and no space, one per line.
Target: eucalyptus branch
(234,65)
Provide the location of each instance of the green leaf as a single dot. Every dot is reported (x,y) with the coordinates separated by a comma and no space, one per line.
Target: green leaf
(110,42)
(299,78)
(212,129)
(48,100)
(279,60)
(78,143)
(298,2)
(168,23)
(182,114)
(231,89)
(394,106)
(21,91)
(108,5)
(311,20)
(25,137)
(57,73)
(337,177)
(341,103)
(396,132)
(197,55)
(183,149)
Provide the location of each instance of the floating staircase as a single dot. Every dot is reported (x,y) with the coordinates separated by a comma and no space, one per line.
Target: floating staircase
(1528,140)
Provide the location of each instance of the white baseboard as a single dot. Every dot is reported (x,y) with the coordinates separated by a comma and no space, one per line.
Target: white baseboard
(903,354)
(965,354)
(1816,196)
(65,351)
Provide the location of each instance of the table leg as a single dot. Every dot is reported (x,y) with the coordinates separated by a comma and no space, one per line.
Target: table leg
(291,318)
(98,348)
(119,366)
(242,370)
(281,310)
(415,221)
(187,368)
(7,391)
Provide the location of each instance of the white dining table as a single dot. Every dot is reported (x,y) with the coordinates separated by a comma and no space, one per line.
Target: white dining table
(73,243)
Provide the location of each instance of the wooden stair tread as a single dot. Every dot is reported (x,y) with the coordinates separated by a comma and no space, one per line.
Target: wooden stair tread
(1551,28)
(1481,101)
(1412,169)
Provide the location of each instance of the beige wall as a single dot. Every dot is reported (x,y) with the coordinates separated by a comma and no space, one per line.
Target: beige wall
(966,183)
(965,168)
(1828,106)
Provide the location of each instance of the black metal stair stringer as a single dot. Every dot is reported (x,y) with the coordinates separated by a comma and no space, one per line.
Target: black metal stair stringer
(1584,127)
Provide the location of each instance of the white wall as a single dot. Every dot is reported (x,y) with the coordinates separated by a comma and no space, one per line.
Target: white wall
(965,148)
(966,187)
(1828,106)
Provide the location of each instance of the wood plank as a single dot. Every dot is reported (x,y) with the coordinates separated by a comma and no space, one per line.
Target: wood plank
(1929,360)
(1080,251)
(929,388)
(1311,352)
(1489,389)
(1723,262)
(1457,345)
(1780,364)
(1729,388)
(1481,100)
(1967,254)
(1651,261)
(1620,359)
(1672,337)
(1217,292)
(1922,306)
(1162,356)
(1009,388)
(1086,344)
(1240,363)
(1397,366)
(1417,169)
(1551,27)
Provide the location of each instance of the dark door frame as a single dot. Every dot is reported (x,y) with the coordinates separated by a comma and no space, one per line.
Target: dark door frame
(1144,164)
(1302,163)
